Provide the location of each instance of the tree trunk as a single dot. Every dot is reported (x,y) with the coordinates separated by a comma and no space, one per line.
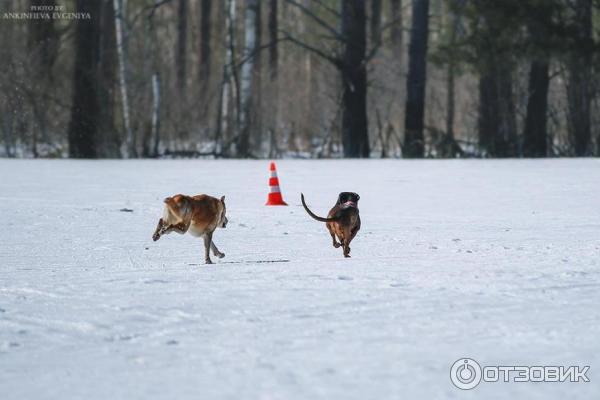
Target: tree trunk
(43,41)
(273,101)
(450,99)
(535,135)
(355,135)
(375,22)
(497,112)
(180,58)
(579,86)
(251,29)
(156,92)
(109,140)
(42,44)
(273,47)
(85,110)
(397,30)
(129,150)
(450,75)
(8,136)
(416,80)
(508,114)
(257,83)
(451,147)
(488,117)
(223,119)
(155,113)
(205,34)
(497,118)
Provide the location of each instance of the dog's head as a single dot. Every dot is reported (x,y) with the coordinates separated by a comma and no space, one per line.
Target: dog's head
(223,221)
(348,199)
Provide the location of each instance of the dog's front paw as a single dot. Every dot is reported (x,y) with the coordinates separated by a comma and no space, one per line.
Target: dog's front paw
(208,261)
(155,237)
(220,255)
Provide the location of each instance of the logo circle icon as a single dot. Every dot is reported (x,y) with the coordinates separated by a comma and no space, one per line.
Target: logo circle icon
(465,373)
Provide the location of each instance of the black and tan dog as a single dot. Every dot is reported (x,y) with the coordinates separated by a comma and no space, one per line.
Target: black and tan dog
(199,215)
(342,221)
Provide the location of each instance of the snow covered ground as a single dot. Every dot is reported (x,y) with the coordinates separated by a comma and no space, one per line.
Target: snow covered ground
(493,260)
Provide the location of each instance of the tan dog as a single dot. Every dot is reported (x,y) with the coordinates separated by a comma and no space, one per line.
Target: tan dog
(200,215)
(342,221)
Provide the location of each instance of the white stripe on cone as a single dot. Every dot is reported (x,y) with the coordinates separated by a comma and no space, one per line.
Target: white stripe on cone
(275,189)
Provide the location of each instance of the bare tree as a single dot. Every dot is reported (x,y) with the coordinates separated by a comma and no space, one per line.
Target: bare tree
(355,136)
(535,131)
(223,117)
(351,64)
(497,123)
(155,112)
(450,146)
(273,29)
(579,90)
(497,117)
(205,37)
(129,149)
(85,110)
(43,41)
(180,58)
(109,139)
(414,144)
(155,84)
(251,29)
(375,21)
(397,29)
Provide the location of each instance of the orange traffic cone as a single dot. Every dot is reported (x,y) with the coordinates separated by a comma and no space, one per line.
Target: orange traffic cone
(274,198)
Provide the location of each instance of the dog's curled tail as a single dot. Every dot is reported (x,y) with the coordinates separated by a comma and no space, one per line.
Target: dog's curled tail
(312,214)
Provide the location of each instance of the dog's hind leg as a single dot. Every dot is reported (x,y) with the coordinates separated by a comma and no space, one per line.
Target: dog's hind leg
(332,233)
(335,243)
(346,242)
(353,233)
(216,251)
(207,246)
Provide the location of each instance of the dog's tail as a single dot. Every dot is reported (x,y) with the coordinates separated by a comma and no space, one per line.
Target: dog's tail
(312,214)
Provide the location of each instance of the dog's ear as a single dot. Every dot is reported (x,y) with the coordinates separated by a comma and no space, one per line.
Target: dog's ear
(357,197)
(223,199)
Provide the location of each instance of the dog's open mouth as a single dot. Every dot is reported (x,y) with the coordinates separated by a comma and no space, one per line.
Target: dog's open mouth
(349,204)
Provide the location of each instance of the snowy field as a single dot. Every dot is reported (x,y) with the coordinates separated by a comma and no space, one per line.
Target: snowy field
(493,260)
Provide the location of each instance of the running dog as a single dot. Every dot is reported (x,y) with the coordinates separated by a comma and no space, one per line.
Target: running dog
(342,221)
(199,215)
